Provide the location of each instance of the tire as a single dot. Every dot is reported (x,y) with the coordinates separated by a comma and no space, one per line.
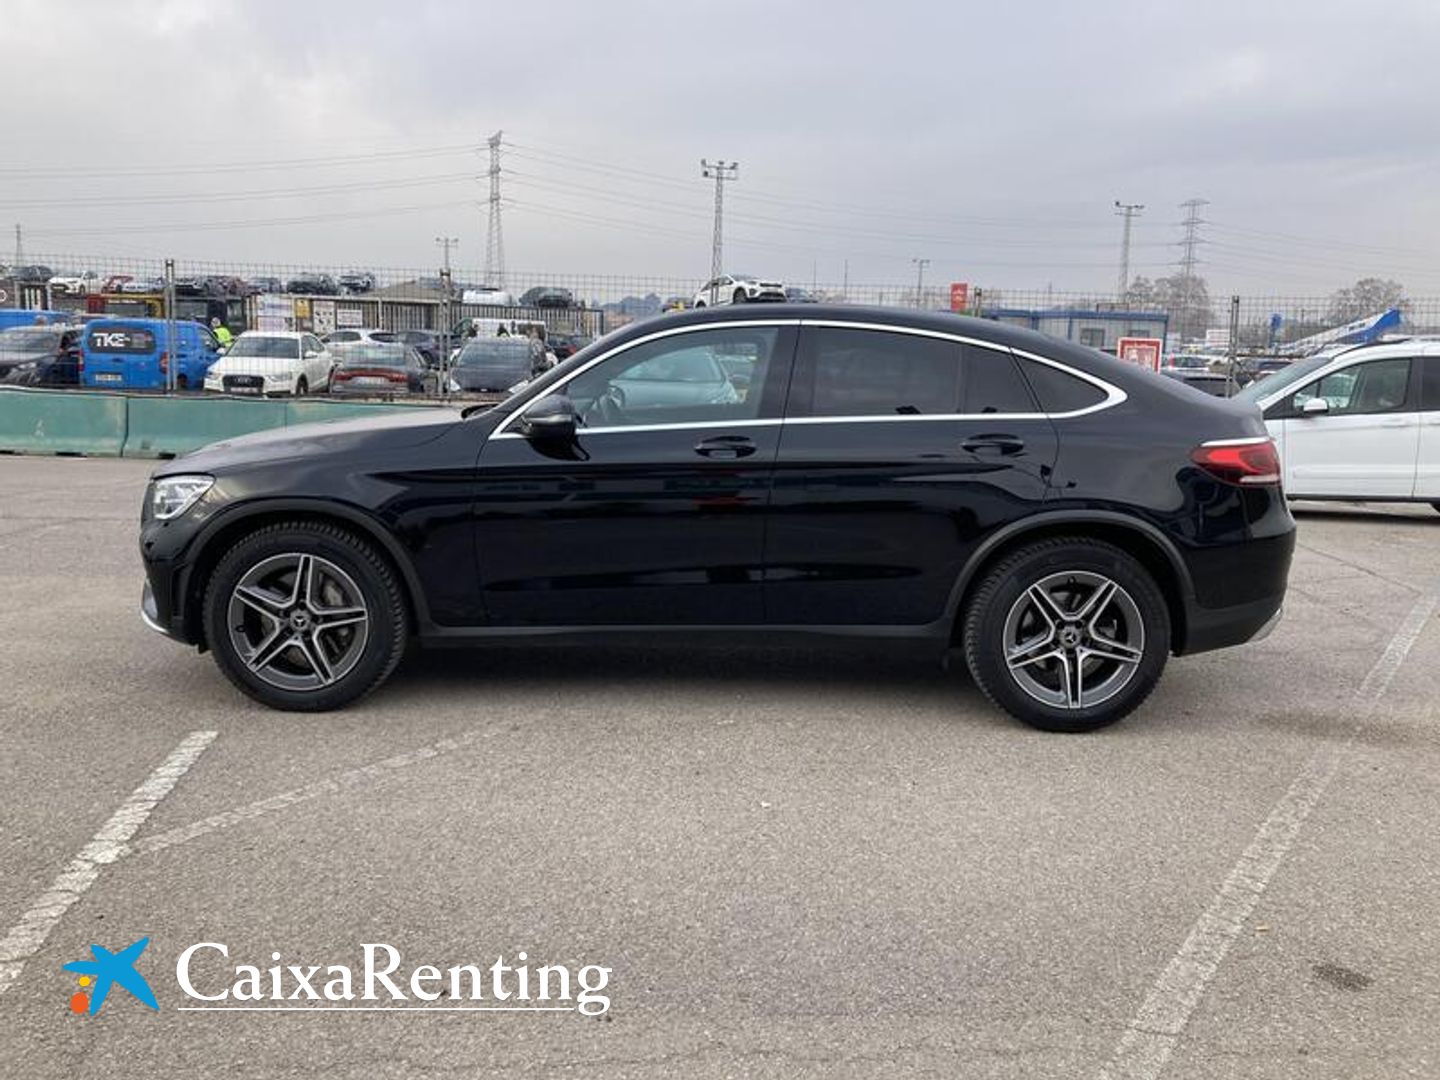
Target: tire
(739,297)
(351,587)
(699,303)
(1035,683)
(302,386)
(1435,506)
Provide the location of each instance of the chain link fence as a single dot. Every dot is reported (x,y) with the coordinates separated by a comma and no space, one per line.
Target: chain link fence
(393,332)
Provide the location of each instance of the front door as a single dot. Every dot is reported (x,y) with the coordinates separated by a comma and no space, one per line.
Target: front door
(899,452)
(1365,441)
(656,514)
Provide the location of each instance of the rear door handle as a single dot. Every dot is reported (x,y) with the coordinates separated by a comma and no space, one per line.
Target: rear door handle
(1004,445)
(725,447)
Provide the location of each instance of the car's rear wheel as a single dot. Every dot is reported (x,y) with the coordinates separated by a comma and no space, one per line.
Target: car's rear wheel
(699,303)
(302,386)
(305,616)
(1068,634)
(739,296)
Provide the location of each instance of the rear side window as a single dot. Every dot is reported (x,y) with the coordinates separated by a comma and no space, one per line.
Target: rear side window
(121,339)
(877,373)
(1430,384)
(992,384)
(1059,391)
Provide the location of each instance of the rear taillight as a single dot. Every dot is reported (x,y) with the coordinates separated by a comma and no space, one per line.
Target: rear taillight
(396,376)
(1249,462)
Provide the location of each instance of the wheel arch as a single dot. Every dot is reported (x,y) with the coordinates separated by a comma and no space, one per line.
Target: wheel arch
(1140,539)
(225,531)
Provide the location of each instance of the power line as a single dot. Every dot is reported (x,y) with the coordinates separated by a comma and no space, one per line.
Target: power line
(74,172)
(721,172)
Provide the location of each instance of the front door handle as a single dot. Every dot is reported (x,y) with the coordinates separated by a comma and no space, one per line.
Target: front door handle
(1004,445)
(725,447)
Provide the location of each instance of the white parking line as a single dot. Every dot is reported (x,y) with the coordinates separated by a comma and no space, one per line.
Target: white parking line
(1153,1033)
(364,774)
(110,843)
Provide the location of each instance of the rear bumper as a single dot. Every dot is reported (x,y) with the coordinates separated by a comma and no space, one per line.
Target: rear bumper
(1219,628)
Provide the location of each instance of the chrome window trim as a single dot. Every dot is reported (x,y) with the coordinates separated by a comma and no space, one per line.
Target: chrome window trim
(1114,395)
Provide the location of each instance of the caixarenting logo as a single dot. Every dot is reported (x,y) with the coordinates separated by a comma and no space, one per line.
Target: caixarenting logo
(380,982)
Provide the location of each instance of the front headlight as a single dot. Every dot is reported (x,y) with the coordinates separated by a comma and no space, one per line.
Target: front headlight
(173,495)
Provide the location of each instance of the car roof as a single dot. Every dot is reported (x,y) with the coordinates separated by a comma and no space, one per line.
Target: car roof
(275,333)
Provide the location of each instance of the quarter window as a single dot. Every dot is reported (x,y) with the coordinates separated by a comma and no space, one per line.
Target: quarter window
(1058,391)
(709,376)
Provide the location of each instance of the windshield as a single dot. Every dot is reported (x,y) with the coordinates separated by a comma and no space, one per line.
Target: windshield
(271,348)
(22,337)
(1292,373)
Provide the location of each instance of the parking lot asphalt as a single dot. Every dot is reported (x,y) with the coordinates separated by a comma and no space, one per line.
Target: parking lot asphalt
(798,862)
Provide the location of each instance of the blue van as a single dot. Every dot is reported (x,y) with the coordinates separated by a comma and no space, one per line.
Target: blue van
(133,354)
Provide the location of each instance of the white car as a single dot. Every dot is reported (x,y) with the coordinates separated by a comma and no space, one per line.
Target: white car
(264,363)
(76,284)
(1358,424)
(488,296)
(738,289)
(356,334)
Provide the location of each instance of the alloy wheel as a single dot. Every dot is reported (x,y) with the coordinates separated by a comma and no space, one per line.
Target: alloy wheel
(298,621)
(1073,639)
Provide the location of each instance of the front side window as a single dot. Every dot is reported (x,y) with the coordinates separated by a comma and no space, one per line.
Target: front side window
(1379,386)
(709,376)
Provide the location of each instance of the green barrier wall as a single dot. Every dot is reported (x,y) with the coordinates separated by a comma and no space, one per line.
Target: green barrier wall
(165,427)
(46,422)
(75,422)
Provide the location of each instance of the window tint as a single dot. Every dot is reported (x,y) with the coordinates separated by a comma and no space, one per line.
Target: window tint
(1430,384)
(711,375)
(1059,391)
(993,384)
(1379,386)
(878,373)
(343,335)
(312,344)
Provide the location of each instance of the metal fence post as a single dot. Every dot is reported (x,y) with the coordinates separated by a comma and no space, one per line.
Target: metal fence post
(170,328)
(444,374)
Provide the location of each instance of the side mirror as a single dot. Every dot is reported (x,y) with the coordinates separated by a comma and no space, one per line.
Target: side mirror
(551,419)
(1316,406)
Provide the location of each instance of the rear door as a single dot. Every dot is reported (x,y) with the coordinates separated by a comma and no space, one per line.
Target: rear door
(1427,468)
(1364,444)
(900,451)
(123,355)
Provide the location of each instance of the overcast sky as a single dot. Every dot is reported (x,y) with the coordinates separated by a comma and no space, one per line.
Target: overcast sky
(990,138)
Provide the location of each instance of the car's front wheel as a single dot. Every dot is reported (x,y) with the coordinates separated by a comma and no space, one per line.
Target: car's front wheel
(305,616)
(739,296)
(1068,634)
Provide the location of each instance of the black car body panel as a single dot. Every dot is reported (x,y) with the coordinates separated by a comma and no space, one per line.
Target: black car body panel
(784,520)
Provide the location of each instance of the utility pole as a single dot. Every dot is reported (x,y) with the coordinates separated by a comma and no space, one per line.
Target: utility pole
(447,242)
(19,258)
(1128,211)
(719,171)
(920,265)
(494,235)
(1188,261)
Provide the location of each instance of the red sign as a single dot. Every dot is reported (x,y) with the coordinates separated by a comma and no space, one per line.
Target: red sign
(959,296)
(1144,351)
